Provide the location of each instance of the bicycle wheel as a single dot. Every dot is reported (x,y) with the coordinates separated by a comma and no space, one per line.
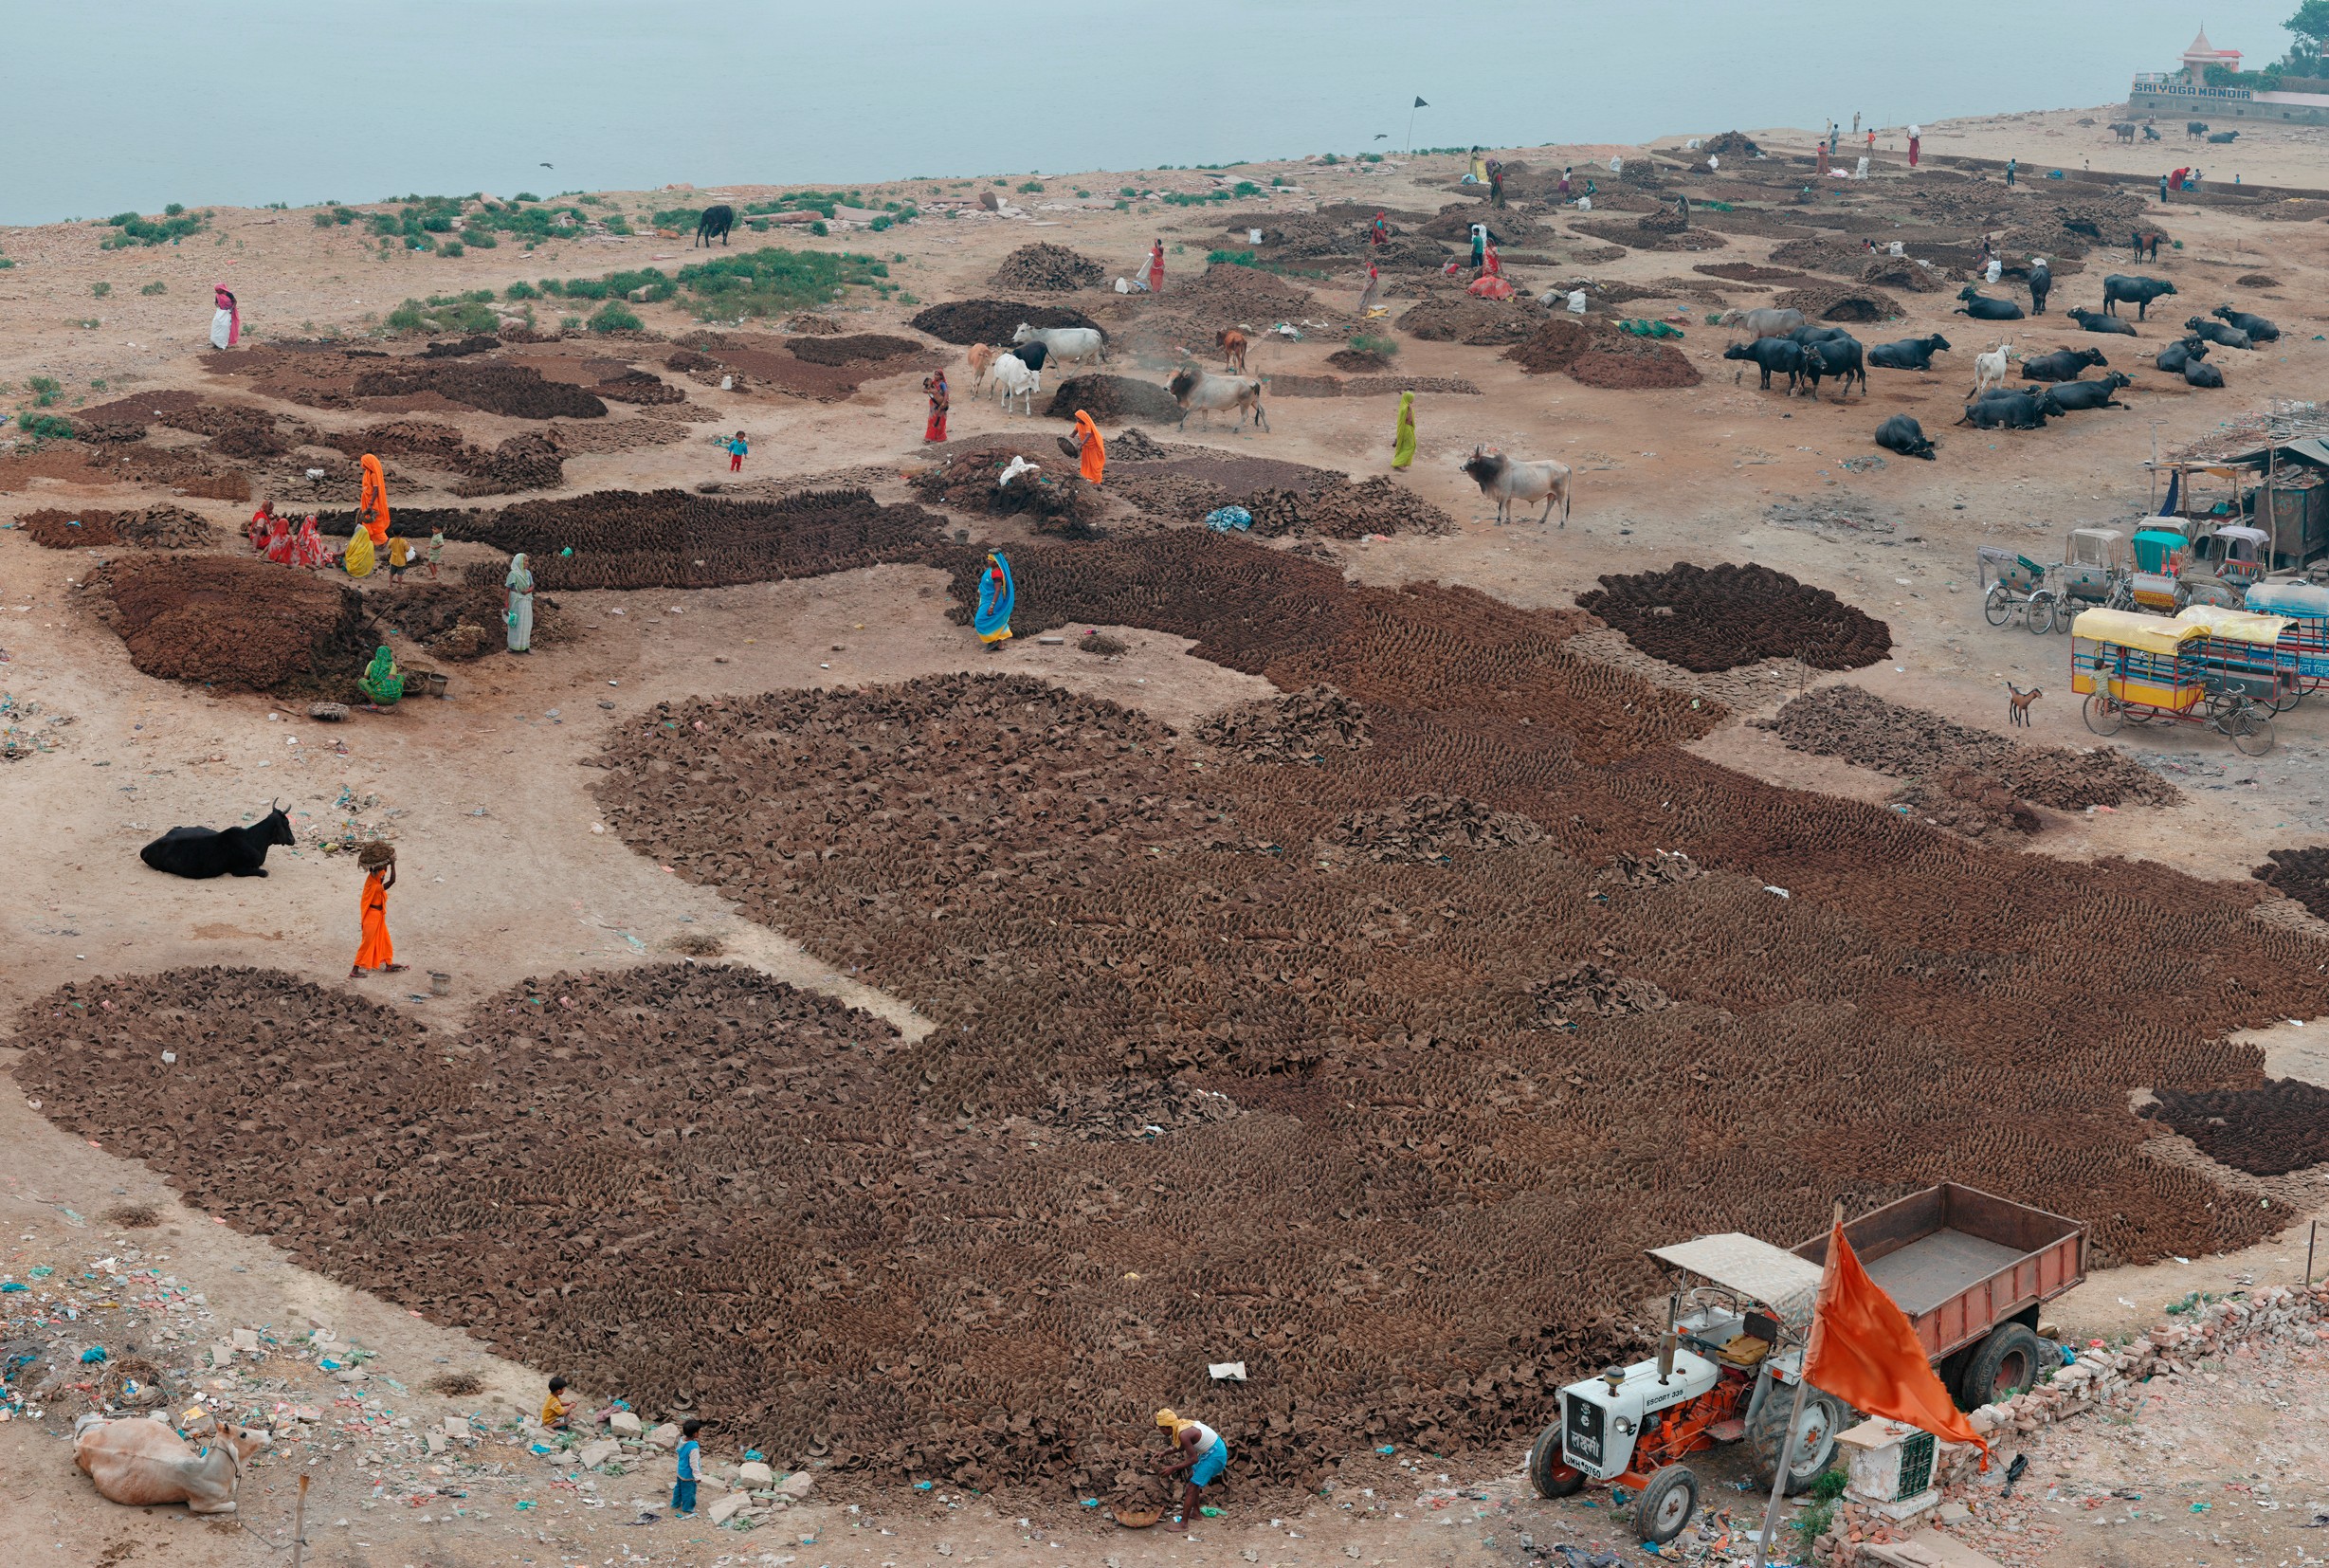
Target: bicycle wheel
(1996,605)
(2251,731)
(2103,714)
(2041,616)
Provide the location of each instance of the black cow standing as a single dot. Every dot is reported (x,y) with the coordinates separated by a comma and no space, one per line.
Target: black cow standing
(201,853)
(713,224)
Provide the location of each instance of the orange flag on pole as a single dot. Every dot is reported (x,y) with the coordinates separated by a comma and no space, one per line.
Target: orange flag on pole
(1865,1352)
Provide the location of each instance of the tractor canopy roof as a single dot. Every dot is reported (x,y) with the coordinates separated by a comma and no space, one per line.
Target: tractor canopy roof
(1780,1280)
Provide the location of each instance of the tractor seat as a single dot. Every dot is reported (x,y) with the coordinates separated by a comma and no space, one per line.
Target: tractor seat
(1744,1349)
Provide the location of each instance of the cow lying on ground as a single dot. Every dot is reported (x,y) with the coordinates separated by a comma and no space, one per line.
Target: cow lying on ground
(2095,321)
(143,1461)
(2182,352)
(1904,435)
(1500,476)
(1909,354)
(2062,364)
(2007,411)
(2259,329)
(2071,395)
(2218,334)
(1202,391)
(1982,308)
(200,852)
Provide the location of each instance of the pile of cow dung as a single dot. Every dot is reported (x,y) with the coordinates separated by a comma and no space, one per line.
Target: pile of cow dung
(1113,398)
(1593,990)
(1750,272)
(1298,726)
(1966,802)
(1617,362)
(1429,827)
(968,321)
(1345,509)
(1048,270)
(529,461)
(462,620)
(1466,319)
(843,351)
(493,386)
(234,623)
(2300,874)
(1708,619)
(1054,493)
(1853,723)
(1553,346)
(1824,303)
(2278,1126)
(1730,144)
(158,527)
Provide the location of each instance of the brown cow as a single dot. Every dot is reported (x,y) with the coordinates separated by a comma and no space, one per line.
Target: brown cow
(1232,341)
(143,1461)
(982,360)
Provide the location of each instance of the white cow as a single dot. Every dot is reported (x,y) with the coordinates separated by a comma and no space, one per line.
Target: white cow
(1202,391)
(1500,476)
(1013,379)
(1990,369)
(143,1461)
(1068,345)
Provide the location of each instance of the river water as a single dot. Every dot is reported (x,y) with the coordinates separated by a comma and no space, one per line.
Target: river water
(115,105)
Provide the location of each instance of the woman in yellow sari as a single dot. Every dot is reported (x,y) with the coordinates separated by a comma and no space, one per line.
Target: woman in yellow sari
(1403,436)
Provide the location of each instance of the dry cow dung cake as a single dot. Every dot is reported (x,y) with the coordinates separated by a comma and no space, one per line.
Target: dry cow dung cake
(1716,618)
(242,625)
(1048,268)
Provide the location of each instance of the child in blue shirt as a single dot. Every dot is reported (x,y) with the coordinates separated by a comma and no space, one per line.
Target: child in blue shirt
(691,1470)
(736,448)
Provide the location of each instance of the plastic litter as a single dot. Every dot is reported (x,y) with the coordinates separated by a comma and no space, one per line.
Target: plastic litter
(92,1355)
(1228,519)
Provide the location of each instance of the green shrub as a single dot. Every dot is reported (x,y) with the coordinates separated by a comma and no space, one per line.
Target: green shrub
(173,226)
(525,195)
(1370,158)
(592,201)
(819,229)
(46,390)
(1031,188)
(45,427)
(772,280)
(586,288)
(1368,343)
(881,223)
(568,323)
(5,263)
(323,219)
(1246,188)
(1126,191)
(1280,181)
(1330,159)
(478,239)
(1235,258)
(614,316)
(520,291)
(452,248)
(100,290)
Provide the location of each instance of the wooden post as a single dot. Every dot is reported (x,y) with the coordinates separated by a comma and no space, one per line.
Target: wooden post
(298,1522)
(1787,1444)
(2310,1237)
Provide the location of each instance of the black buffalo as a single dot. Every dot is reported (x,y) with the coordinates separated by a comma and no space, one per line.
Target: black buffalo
(1840,357)
(2095,321)
(1033,355)
(713,224)
(1904,435)
(2183,352)
(1810,333)
(2218,334)
(2257,327)
(1770,354)
(201,853)
(2194,127)
(2197,373)
(2070,395)
(1909,354)
(2041,285)
(2062,364)
(2123,288)
(2008,412)
(1982,308)
(2224,138)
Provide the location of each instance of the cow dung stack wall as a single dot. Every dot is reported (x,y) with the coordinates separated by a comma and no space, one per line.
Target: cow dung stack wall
(1113,399)
(968,321)
(1048,268)
(240,624)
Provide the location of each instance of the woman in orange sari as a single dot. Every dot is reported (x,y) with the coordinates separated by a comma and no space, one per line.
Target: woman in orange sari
(373,509)
(375,951)
(1094,450)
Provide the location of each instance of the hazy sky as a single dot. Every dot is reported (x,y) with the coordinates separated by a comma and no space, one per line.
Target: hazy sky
(121,104)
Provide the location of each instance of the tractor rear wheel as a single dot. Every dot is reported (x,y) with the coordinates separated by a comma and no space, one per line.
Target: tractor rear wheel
(1816,1434)
(2007,1363)
(1666,1505)
(1547,1472)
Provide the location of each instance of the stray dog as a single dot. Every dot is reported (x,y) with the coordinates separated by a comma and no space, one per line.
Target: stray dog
(2018,702)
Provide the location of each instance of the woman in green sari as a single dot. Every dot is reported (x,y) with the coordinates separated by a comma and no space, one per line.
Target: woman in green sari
(381,681)
(520,611)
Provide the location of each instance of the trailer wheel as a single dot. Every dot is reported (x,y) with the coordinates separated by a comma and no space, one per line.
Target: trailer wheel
(1546,1471)
(2007,1363)
(1667,1505)
(1816,1434)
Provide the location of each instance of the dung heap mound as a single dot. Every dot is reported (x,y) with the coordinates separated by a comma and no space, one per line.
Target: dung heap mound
(1048,270)
(518,390)
(1429,828)
(1054,494)
(1861,728)
(158,527)
(850,350)
(1113,398)
(1709,619)
(238,624)
(1456,317)
(1617,362)
(1297,726)
(968,321)
(2280,1127)
(1553,346)
(1343,508)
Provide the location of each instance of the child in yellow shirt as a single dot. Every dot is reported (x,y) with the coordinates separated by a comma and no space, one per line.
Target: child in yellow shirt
(557,1410)
(399,556)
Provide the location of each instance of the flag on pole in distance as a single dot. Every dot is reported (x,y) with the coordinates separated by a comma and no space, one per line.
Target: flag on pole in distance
(1865,1352)
(1421,104)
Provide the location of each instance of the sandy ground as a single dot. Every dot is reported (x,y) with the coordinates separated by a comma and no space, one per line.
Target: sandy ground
(503,875)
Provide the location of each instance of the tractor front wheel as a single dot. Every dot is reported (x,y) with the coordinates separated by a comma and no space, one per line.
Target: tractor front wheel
(1816,1434)
(1666,1505)
(1546,1471)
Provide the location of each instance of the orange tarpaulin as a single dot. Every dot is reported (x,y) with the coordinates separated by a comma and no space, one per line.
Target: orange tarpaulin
(1865,1352)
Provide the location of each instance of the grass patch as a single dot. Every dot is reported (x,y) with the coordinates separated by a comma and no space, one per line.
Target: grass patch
(173,226)
(471,312)
(46,391)
(1245,188)
(521,291)
(1181,198)
(1031,188)
(614,316)
(100,290)
(43,426)
(1368,343)
(156,287)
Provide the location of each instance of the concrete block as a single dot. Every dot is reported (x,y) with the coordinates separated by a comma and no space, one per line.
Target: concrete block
(457,1426)
(436,1444)
(1954,1513)
(798,1485)
(624,1421)
(753,1474)
(725,1508)
(666,1436)
(592,1456)
(246,1339)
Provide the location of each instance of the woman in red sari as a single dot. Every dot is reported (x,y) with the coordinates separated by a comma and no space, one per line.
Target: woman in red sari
(279,541)
(1156,267)
(307,547)
(261,526)
(934,386)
